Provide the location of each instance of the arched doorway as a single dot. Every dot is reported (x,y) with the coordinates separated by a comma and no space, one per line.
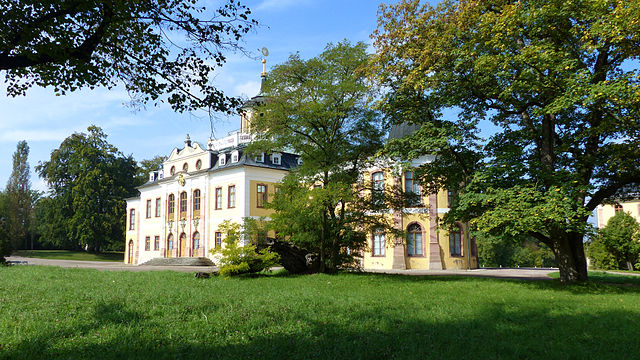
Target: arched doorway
(170,245)
(130,257)
(196,244)
(182,247)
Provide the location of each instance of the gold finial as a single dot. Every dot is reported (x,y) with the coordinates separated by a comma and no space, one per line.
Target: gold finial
(265,53)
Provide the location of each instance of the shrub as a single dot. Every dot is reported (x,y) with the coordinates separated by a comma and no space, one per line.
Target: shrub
(237,259)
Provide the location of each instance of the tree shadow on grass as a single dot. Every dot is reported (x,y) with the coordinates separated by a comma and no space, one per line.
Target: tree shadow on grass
(497,331)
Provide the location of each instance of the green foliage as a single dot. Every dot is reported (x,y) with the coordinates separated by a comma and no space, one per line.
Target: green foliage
(558,81)
(5,245)
(145,167)
(600,257)
(507,251)
(238,259)
(19,195)
(320,109)
(621,239)
(162,51)
(89,180)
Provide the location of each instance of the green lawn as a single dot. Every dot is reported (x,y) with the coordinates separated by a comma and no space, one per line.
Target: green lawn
(70,255)
(56,313)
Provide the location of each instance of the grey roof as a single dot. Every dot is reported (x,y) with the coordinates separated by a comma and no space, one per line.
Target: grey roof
(402,130)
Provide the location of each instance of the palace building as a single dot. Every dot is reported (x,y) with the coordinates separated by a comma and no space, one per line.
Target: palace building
(604,212)
(179,209)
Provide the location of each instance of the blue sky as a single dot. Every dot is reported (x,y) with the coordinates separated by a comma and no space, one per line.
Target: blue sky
(287,26)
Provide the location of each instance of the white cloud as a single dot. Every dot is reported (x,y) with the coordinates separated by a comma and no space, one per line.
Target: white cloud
(13,136)
(280,4)
(247,89)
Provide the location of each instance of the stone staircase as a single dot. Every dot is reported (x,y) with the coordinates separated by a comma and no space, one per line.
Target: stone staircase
(180,261)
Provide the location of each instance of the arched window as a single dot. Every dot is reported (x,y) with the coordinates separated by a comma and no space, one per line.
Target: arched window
(170,242)
(185,167)
(455,241)
(196,240)
(183,203)
(617,208)
(412,189)
(130,252)
(198,164)
(196,200)
(414,240)
(172,204)
(378,242)
(173,170)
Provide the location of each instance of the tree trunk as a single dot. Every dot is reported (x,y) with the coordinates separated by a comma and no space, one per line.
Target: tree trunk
(569,251)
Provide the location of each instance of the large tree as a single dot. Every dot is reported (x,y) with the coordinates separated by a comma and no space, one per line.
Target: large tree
(88,180)
(19,195)
(319,109)
(159,50)
(559,82)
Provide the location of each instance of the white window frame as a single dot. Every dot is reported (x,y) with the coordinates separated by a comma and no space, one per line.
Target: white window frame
(222,160)
(260,158)
(276,159)
(235,156)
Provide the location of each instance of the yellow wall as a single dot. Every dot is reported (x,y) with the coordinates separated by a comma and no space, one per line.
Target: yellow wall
(254,210)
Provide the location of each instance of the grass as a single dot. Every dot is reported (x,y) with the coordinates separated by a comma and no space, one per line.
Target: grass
(56,313)
(71,255)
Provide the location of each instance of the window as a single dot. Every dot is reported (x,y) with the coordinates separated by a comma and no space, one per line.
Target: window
(218,240)
(172,204)
(299,160)
(451,195)
(170,242)
(183,203)
(235,156)
(158,207)
(198,164)
(377,181)
(156,243)
(148,208)
(414,240)
(275,159)
(617,208)
(185,167)
(132,219)
(260,157)
(147,243)
(222,159)
(473,247)
(196,200)
(412,190)
(218,198)
(196,240)
(232,196)
(378,243)
(172,171)
(455,238)
(262,195)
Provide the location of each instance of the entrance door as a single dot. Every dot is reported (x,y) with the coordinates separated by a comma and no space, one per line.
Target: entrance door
(170,246)
(183,245)
(130,260)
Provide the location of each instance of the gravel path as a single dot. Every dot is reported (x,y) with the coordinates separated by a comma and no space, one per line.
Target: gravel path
(521,273)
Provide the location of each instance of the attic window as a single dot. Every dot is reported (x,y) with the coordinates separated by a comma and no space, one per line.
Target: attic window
(172,171)
(299,160)
(260,157)
(198,164)
(275,159)
(235,156)
(222,160)
(185,167)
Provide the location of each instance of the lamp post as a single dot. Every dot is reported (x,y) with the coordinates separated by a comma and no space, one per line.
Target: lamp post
(183,223)
(196,221)
(170,224)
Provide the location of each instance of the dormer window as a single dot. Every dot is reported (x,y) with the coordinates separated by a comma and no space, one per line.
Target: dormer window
(235,156)
(299,160)
(222,160)
(276,159)
(260,157)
